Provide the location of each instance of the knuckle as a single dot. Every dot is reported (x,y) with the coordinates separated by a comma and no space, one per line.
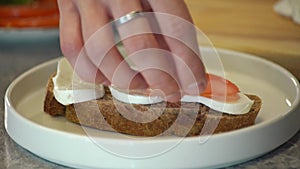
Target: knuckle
(139,42)
(97,50)
(177,28)
(164,83)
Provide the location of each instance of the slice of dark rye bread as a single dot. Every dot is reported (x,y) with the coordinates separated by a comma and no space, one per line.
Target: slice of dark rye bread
(177,119)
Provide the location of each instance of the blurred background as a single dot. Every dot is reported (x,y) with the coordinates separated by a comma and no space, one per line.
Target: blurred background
(250,26)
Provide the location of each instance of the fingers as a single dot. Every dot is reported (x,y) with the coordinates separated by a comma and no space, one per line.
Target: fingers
(100,46)
(72,43)
(157,67)
(81,27)
(180,36)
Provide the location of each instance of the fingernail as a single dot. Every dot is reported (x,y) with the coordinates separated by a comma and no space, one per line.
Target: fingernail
(106,83)
(175,97)
(195,88)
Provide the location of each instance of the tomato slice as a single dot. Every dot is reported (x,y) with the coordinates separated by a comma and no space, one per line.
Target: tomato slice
(41,21)
(219,88)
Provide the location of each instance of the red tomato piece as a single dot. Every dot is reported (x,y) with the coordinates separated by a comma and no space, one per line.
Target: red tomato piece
(219,88)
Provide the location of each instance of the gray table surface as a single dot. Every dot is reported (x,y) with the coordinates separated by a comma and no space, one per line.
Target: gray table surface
(16,57)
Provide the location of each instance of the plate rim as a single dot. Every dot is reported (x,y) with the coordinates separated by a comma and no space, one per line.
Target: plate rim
(248,56)
(188,139)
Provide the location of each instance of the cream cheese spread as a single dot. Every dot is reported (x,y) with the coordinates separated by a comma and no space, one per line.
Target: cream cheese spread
(241,106)
(69,88)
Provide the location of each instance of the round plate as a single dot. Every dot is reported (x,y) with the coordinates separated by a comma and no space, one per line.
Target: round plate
(60,141)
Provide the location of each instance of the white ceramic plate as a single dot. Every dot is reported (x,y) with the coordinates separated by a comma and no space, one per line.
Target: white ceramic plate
(28,34)
(60,141)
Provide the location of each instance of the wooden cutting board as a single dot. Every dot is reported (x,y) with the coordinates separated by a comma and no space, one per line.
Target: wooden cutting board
(250,26)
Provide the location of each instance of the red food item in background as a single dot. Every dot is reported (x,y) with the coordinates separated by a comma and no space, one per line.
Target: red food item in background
(40,13)
(39,21)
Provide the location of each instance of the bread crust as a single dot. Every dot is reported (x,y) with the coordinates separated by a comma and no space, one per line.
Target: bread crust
(51,105)
(179,119)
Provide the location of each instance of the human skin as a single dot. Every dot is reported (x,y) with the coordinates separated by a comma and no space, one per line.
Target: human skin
(168,77)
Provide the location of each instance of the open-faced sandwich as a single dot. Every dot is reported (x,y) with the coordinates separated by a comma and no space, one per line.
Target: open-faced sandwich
(111,109)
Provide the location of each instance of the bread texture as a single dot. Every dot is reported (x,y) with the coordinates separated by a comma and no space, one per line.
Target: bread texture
(179,119)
